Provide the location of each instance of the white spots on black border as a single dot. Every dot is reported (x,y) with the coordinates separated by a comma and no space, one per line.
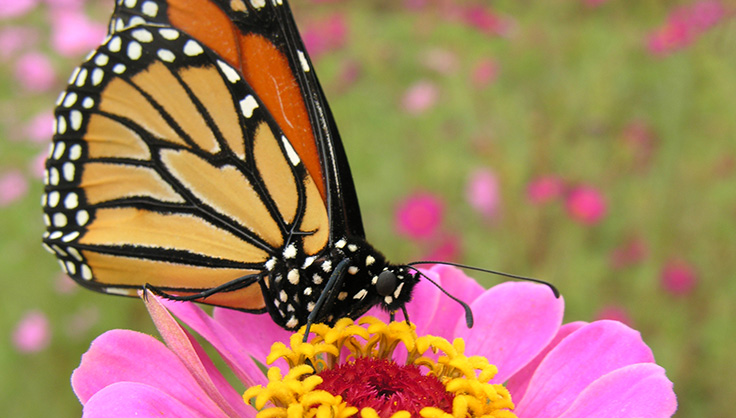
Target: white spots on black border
(361,294)
(353,270)
(248,105)
(342,296)
(303,61)
(230,73)
(293,156)
(192,48)
(293,276)
(170,34)
(290,251)
(149,8)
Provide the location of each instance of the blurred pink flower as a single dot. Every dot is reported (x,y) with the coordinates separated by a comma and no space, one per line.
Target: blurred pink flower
(325,34)
(420,97)
(73,33)
(678,277)
(594,3)
(32,333)
(415,4)
(40,128)
(442,61)
(484,19)
(65,285)
(419,215)
(545,189)
(80,323)
(641,140)
(14,39)
(684,25)
(485,72)
(447,248)
(631,252)
(35,72)
(482,192)
(16,8)
(614,313)
(13,186)
(586,205)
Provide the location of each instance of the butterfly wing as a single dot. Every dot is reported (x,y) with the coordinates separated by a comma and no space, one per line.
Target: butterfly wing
(168,168)
(259,38)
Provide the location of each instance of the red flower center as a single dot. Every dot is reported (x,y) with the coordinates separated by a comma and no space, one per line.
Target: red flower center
(386,387)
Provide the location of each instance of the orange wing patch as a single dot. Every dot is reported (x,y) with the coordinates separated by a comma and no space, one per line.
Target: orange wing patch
(263,66)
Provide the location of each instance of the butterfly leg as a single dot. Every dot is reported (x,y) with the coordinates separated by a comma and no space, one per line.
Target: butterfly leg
(328,295)
(230,286)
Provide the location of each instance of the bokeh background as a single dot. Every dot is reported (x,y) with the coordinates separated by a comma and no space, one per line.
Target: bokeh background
(590,143)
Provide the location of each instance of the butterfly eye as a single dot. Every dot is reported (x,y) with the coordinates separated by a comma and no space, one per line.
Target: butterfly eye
(386,283)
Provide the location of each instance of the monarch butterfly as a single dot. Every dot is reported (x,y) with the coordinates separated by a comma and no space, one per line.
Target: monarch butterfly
(194,152)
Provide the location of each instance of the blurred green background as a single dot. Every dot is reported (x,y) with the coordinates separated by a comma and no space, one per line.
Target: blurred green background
(575,90)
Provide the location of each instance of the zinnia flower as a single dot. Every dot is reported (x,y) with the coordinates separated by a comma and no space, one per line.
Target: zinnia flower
(601,369)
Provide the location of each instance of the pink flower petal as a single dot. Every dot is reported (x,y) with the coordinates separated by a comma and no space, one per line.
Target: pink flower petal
(255,333)
(577,361)
(519,382)
(40,128)
(131,399)
(194,359)
(73,33)
(221,338)
(678,277)
(32,333)
(128,356)
(640,390)
(513,323)
(448,315)
(545,189)
(16,8)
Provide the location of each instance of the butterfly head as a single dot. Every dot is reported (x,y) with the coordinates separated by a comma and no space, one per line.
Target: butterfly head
(395,285)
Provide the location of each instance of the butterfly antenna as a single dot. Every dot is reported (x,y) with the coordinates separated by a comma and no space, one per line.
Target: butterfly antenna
(499,273)
(468,312)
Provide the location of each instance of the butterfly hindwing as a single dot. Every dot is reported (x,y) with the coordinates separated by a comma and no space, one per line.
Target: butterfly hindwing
(167,169)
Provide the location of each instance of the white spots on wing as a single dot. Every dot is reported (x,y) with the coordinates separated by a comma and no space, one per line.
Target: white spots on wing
(258,4)
(53,176)
(193,48)
(303,61)
(102,59)
(353,270)
(310,306)
(361,294)
(327,266)
(81,78)
(342,296)
(369,260)
(70,236)
(118,68)
(71,200)
(293,157)
(59,149)
(82,217)
(70,99)
(135,50)
(130,3)
(387,300)
(248,105)
(230,73)
(53,199)
(59,220)
(308,291)
(74,75)
(166,55)
(97,75)
(341,243)
(86,272)
(283,297)
(68,171)
(115,44)
(88,102)
(352,248)
(60,125)
(75,152)
(75,118)
(308,262)
(169,34)
(149,8)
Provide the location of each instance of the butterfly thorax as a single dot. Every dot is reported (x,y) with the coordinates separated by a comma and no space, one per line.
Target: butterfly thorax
(295,282)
